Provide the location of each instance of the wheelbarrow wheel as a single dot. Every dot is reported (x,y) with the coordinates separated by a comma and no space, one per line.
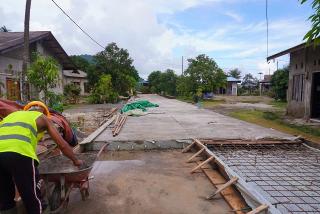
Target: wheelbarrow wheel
(84,194)
(57,205)
(55,198)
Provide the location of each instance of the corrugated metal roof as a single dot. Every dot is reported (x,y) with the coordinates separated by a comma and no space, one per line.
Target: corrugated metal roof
(74,73)
(232,79)
(10,41)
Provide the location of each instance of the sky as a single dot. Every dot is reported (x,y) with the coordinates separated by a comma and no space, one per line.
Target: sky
(157,33)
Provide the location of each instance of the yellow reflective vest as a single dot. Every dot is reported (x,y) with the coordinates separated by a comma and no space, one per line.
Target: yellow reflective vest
(19,133)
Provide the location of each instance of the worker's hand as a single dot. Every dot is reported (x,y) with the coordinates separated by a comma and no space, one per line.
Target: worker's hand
(78,163)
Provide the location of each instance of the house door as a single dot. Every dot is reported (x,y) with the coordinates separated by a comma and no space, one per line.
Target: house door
(315,113)
(13,89)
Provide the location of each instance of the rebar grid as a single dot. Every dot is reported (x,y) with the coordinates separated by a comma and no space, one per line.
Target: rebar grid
(288,175)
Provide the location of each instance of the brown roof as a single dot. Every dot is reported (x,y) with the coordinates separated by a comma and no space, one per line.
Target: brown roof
(12,40)
(290,50)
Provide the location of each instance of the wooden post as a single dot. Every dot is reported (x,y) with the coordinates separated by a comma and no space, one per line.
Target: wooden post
(201,164)
(188,147)
(224,186)
(25,57)
(195,155)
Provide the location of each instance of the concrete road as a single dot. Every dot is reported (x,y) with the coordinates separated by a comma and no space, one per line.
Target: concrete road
(176,120)
(157,182)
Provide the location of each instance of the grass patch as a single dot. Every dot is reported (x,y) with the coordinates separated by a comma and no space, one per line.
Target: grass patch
(273,120)
(250,101)
(212,103)
(185,99)
(279,104)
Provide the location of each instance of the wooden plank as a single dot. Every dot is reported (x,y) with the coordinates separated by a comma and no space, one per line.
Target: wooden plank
(195,155)
(188,147)
(259,209)
(230,194)
(224,186)
(98,131)
(198,142)
(202,164)
(121,124)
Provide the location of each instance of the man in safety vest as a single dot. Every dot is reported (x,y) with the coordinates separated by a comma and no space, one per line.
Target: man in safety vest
(19,135)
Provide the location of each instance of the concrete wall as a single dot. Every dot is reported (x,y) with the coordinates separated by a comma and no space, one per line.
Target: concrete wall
(15,59)
(232,88)
(81,81)
(306,61)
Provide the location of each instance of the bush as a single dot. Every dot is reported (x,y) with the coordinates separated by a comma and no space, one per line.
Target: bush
(279,82)
(103,91)
(144,89)
(55,101)
(270,115)
(72,92)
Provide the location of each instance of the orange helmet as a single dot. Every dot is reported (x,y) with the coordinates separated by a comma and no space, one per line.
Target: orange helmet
(40,104)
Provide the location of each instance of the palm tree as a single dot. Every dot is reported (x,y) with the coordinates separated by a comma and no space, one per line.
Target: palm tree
(26,50)
(4,29)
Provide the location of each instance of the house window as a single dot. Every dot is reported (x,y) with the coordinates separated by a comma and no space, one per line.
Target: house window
(298,85)
(301,64)
(296,66)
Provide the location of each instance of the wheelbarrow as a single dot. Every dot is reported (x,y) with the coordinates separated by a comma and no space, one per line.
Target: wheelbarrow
(60,177)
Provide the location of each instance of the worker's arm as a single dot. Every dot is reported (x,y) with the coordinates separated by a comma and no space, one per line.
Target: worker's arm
(44,124)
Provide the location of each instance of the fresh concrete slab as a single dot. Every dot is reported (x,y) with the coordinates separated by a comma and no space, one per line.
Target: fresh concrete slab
(175,120)
(147,182)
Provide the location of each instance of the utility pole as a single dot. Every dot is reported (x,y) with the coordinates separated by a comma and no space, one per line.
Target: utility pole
(182,71)
(26,51)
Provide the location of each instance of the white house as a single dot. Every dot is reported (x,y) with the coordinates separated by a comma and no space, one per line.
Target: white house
(11,55)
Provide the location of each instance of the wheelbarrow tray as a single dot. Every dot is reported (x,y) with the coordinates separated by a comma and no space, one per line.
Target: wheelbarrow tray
(54,167)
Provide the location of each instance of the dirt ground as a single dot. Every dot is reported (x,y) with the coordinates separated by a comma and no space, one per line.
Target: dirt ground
(233,103)
(87,117)
(147,182)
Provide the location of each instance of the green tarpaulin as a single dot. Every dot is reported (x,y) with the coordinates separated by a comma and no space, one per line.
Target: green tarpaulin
(141,104)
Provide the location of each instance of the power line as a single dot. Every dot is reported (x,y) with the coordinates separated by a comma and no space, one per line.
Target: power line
(87,34)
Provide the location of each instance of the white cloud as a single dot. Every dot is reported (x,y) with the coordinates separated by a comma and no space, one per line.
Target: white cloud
(235,16)
(134,25)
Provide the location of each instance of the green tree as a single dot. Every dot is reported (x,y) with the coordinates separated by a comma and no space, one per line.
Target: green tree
(183,86)
(163,82)
(103,91)
(235,73)
(279,83)
(118,64)
(314,32)
(250,83)
(43,74)
(205,74)
(81,63)
(154,79)
(168,81)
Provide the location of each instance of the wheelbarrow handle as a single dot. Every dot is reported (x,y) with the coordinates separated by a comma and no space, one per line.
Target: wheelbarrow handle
(101,150)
